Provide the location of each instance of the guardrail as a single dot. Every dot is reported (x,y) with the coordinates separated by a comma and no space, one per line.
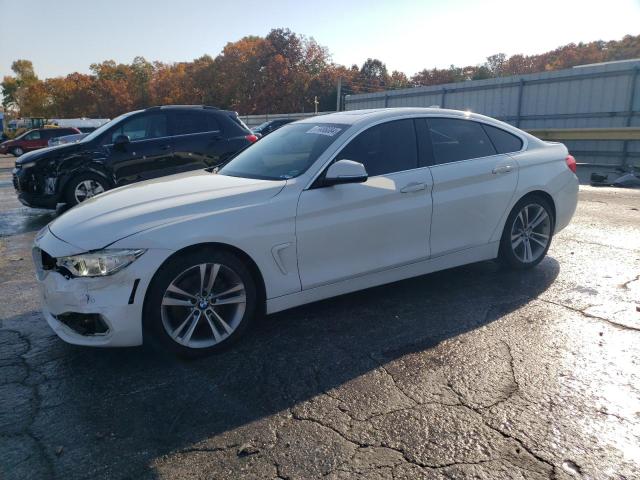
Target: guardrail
(623,133)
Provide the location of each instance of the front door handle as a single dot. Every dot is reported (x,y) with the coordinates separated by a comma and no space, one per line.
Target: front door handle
(413,187)
(165,147)
(502,169)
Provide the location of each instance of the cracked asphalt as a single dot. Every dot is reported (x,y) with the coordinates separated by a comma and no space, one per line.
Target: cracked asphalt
(470,373)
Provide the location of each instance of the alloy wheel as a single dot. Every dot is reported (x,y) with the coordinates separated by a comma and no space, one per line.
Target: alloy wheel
(530,233)
(87,189)
(203,305)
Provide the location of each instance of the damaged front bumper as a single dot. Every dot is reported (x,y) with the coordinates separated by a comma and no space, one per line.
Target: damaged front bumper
(33,191)
(95,311)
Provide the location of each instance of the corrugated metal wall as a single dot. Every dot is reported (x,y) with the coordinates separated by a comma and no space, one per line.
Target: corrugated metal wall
(605,95)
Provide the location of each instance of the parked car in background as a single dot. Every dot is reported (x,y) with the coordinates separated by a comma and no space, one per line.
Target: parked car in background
(135,146)
(76,137)
(85,125)
(34,140)
(322,207)
(272,125)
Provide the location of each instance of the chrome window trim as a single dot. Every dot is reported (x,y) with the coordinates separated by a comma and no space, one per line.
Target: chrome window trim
(168,136)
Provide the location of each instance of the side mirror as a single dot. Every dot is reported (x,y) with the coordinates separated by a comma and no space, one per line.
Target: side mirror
(121,141)
(345,171)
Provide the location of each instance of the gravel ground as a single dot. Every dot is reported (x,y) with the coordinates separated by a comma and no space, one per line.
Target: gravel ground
(474,372)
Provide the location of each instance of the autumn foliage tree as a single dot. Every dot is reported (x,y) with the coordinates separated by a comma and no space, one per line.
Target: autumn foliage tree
(279,73)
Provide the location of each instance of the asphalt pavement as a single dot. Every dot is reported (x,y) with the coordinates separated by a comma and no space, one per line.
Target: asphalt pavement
(474,372)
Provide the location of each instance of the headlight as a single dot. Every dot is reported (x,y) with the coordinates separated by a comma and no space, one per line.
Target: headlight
(27,164)
(98,264)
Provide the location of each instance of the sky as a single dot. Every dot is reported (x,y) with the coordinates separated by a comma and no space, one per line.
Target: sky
(64,36)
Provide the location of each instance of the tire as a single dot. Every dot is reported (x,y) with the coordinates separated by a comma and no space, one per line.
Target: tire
(93,185)
(179,318)
(527,233)
(17,151)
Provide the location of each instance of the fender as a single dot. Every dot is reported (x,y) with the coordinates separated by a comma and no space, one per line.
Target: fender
(78,164)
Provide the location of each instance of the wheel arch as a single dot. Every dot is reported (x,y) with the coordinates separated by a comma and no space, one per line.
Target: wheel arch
(251,264)
(70,174)
(502,255)
(543,194)
(498,232)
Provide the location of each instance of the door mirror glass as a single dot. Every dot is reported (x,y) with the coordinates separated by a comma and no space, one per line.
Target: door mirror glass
(345,171)
(121,141)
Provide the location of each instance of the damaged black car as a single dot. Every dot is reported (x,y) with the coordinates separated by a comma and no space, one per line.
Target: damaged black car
(136,146)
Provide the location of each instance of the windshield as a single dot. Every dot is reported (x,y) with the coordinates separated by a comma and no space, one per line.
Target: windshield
(286,153)
(99,131)
(261,126)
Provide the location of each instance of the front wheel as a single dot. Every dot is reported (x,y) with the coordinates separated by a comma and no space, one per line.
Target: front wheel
(200,302)
(83,187)
(527,233)
(17,151)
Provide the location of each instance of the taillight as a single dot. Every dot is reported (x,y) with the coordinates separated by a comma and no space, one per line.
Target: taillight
(252,138)
(571,163)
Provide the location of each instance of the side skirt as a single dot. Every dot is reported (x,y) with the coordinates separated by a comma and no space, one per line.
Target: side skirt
(451,260)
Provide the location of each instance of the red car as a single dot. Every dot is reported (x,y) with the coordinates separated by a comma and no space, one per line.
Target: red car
(33,140)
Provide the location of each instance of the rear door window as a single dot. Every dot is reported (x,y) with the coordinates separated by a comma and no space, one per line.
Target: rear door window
(385,148)
(454,140)
(57,132)
(186,123)
(504,142)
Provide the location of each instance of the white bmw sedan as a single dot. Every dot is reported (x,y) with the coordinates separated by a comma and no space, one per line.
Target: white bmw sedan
(319,208)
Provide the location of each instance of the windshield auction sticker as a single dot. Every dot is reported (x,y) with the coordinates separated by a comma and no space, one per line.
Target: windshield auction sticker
(322,130)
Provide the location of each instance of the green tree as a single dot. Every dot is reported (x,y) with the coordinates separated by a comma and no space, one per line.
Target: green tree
(22,92)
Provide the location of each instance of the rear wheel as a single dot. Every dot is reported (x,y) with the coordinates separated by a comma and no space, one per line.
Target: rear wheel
(82,187)
(527,233)
(17,151)
(200,302)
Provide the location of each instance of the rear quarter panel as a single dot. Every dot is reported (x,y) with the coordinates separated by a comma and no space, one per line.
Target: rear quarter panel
(543,168)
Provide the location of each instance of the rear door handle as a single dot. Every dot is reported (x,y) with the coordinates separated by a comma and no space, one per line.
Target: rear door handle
(413,187)
(502,169)
(165,147)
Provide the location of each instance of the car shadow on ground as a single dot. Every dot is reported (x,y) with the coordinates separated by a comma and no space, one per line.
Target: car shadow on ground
(153,404)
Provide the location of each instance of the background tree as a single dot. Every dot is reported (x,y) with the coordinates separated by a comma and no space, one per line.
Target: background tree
(280,73)
(373,74)
(22,91)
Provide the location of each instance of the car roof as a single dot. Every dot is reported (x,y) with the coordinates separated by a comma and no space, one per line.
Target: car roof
(373,115)
(187,107)
(352,117)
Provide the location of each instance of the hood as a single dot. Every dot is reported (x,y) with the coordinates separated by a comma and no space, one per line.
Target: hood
(48,153)
(122,212)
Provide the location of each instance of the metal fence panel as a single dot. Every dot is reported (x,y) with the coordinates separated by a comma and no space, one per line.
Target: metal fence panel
(255,120)
(597,96)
